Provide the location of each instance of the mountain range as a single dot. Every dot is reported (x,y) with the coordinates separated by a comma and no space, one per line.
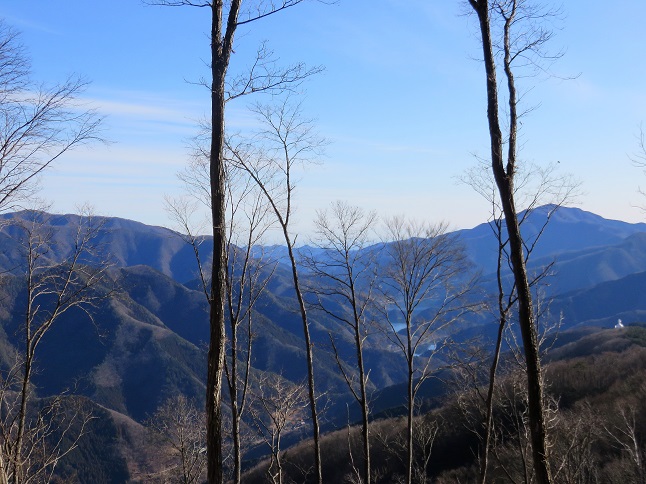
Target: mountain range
(148,337)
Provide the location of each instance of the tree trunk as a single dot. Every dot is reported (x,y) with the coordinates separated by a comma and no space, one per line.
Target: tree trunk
(219,62)
(235,418)
(364,404)
(505,182)
(502,321)
(18,466)
(409,422)
(489,404)
(216,316)
(232,378)
(310,362)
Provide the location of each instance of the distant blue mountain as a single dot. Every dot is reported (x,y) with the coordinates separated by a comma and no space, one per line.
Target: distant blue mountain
(586,249)
(604,304)
(128,243)
(569,230)
(148,338)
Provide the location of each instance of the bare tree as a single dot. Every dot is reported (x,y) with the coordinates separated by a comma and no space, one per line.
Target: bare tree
(286,141)
(345,273)
(575,459)
(424,289)
(54,429)
(511,438)
(639,159)
(263,76)
(248,271)
(535,186)
(38,123)
(180,428)
(248,275)
(521,42)
(279,408)
(51,290)
(626,439)
(425,431)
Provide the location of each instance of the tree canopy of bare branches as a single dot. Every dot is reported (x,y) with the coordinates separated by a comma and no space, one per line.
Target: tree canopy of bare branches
(179,427)
(51,289)
(279,408)
(285,141)
(346,275)
(263,76)
(425,287)
(38,123)
(513,33)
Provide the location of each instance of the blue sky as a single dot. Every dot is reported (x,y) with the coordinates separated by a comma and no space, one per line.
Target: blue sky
(401,101)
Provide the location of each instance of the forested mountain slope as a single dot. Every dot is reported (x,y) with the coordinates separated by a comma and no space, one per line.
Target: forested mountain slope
(146,338)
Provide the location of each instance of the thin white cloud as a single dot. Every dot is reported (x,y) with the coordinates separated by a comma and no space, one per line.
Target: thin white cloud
(147,113)
(138,110)
(24,24)
(145,107)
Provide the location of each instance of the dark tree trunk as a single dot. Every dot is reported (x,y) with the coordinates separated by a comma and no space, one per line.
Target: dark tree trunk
(504,177)
(221,46)
(217,332)
(502,321)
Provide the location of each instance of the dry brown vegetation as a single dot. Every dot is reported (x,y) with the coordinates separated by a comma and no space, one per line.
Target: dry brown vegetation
(596,387)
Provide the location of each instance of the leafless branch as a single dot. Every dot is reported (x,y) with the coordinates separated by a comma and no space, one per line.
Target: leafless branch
(265,75)
(38,123)
(180,427)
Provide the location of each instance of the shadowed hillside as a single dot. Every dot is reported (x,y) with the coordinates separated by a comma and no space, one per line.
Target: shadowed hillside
(148,335)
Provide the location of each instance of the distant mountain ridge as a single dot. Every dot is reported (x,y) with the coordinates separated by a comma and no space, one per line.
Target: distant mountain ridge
(130,243)
(569,230)
(150,337)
